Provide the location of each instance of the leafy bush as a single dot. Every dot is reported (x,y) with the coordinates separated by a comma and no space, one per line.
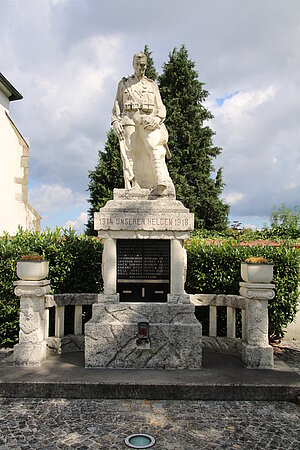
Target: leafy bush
(214,267)
(9,324)
(285,223)
(75,266)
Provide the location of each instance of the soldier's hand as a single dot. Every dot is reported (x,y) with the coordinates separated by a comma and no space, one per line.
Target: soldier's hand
(119,130)
(152,122)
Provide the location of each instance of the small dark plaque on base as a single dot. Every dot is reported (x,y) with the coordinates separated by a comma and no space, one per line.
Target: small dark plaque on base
(143,270)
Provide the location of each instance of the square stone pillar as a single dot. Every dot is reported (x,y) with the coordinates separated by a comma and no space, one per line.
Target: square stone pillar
(178,269)
(31,349)
(109,266)
(256,351)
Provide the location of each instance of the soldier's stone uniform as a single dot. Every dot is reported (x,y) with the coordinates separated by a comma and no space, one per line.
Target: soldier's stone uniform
(136,101)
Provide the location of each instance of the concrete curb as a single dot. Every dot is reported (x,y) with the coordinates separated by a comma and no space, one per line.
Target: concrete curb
(151,392)
(222,378)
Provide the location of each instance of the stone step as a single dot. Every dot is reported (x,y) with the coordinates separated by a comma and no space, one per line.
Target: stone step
(222,378)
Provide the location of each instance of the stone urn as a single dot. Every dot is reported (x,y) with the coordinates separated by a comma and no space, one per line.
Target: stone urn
(32,268)
(256,270)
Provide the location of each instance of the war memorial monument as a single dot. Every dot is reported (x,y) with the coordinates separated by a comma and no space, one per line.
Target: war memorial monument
(144,318)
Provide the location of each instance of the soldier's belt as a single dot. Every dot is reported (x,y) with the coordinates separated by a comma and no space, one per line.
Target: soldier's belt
(146,107)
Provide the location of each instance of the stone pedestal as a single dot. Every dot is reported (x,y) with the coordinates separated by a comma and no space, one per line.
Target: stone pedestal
(175,335)
(31,349)
(111,336)
(256,351)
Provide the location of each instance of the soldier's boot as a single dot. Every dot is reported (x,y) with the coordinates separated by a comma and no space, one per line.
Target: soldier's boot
(161,181)
(134,182)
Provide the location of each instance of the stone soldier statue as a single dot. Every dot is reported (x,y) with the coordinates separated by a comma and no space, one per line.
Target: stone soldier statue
(137,119)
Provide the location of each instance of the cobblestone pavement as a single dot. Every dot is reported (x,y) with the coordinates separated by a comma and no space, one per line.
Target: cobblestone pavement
(289,352)
(50,424)
(176,425)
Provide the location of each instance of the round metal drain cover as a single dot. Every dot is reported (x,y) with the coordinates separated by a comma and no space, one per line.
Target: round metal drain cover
(140,441)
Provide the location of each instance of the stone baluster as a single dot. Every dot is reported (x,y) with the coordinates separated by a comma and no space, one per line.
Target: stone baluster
(31,349)
(256,351)
(213,321)
(59,321)
(231,318)
(78,320)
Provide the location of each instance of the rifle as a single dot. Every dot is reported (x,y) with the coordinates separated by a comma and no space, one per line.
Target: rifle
(127,169)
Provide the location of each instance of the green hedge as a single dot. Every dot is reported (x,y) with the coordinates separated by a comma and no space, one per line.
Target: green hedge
(214,267)
(75,266)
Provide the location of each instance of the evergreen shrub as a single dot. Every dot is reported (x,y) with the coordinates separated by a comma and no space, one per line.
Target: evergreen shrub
(75,266)
(214,267)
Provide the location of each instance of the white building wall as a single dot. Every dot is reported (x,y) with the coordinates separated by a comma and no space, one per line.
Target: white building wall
(4,101)
(293,329)
(14,152)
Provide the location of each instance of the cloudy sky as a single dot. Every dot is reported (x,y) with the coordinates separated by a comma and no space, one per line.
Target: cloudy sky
(67,56)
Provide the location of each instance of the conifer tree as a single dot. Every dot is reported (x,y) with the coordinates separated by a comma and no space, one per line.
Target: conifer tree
(150,71)
(106,176)
(190,141)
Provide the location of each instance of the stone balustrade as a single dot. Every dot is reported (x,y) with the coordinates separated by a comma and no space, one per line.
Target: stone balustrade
(233,303)
(36,341)
(60,307)
(253,346)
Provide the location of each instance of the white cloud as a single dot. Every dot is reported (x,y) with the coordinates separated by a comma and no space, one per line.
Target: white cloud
(233,197)
(238,114)
(77,224)
(67,107)
(245,102)
(250,226)
(260,141)
(69,92)
(49,199)
(292,185)
(58,2)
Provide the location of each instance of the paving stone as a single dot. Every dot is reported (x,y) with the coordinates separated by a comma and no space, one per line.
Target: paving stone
(57,424)
(289,353)
(176,425)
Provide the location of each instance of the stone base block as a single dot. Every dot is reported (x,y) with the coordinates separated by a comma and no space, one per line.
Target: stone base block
(111,336)
(179,298)
(30,354)
(116,345)
(66,344)
(165,313)
(257,357)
